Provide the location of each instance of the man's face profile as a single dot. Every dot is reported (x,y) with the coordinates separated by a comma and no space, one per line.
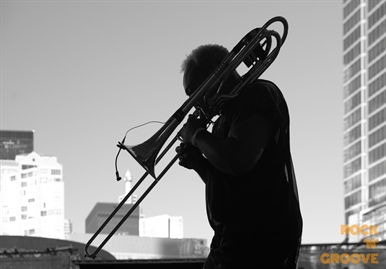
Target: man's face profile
(192,79)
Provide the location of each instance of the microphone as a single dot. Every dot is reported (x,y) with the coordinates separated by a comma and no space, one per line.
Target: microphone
(117,175)
(116,159)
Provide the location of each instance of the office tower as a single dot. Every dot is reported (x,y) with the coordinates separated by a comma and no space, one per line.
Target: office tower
(13,143)
(32,196)
(364,100)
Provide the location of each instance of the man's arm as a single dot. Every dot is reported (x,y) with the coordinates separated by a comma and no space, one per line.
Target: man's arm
(191,158)
(238,153)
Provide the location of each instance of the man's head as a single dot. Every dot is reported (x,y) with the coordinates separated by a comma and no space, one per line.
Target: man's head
(199,64)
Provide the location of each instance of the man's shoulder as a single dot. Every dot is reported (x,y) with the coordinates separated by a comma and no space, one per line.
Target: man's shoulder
(261,89)
(262,84)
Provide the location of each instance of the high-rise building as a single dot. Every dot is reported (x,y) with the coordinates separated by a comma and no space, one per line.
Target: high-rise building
(364,106)
(13,143)
(32,196)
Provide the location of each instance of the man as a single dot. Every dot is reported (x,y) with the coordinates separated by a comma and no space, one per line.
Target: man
(251,193)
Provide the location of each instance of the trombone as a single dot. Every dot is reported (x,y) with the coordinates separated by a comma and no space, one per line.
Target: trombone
(256,52)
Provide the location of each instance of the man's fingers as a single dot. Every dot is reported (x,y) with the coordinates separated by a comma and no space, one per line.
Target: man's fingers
(180,148)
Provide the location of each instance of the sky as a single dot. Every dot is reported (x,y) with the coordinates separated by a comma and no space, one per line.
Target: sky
(82,73)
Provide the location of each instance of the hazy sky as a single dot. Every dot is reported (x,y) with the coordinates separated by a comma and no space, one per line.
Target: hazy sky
(81,73)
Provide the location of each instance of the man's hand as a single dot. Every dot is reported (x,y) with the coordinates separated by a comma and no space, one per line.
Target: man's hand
(190,157)
(190,127)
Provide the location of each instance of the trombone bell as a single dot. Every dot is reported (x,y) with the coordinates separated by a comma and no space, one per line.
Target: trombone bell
(146,153)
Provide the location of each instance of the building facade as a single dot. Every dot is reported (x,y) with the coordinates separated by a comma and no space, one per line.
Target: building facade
(163,226)
(32,196)
(102,211)
(364,120)
(67,228)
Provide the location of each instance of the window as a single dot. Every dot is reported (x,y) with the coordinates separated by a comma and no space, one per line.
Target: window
(376,33)
(377,67)
(350,23)
(353,102)
(43,171)
(350,7)
(377,170)
(352,86)
(377,192)
(377,84)
(352,184)
(25,166)
(352,199)
(377,101)
(352,167)
(377,136)
(352,135)
(352,38)
(352,119)
(377,119)
(55,172)
(353,151)
(377,15)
